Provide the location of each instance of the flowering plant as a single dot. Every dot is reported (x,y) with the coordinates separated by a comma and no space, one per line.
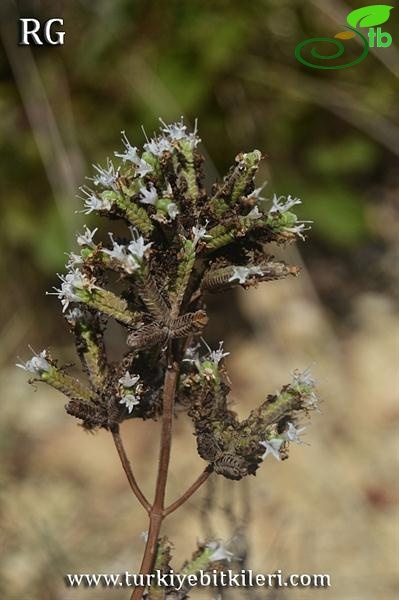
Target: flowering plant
(181,243)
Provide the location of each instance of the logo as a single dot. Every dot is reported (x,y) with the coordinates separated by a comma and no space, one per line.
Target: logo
(368,16)
(32,32)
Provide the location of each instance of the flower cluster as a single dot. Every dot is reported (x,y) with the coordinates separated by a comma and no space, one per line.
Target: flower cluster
(178,244)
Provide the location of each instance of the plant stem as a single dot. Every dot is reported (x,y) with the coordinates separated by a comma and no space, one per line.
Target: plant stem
(157,510)
(188,493)
(128,470)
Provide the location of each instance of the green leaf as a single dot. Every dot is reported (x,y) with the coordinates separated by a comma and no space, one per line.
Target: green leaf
(369,16)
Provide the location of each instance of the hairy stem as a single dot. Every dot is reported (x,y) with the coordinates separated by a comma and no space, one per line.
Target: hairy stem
(188,493)
(157,511)
(128,470)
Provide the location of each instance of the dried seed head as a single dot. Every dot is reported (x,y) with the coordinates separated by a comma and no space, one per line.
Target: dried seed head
(230,466)
(147,336)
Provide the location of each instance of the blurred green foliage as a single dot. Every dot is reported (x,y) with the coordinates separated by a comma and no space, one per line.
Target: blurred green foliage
(232,65)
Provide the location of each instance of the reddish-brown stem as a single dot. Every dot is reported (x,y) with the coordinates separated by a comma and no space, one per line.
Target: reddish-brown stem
(128,470)
(188,493)
(157,510)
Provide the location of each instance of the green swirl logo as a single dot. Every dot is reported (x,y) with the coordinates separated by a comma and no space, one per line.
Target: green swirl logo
(340,51)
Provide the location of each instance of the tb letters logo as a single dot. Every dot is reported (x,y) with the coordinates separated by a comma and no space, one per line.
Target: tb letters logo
(368,16)
(31,31)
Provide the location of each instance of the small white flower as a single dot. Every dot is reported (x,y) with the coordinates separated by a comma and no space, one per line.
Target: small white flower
(86,239)
(307,384)
(129,256)
(36,365)
(130,401)
(255,195)
(220,552)
(138,247)
(254,214)
(191,355)
(144,536)
(217,355)
(292,434)
(71,283)
(128,380)
(158,146)
(173,211)
(106,176)
(200,233)
(118,251)
(178,131)
(303,378)
(148,196)
(272,447)
(299,228)
(93,202)
(242,273)
(74,260)
(142,167)
(130,152)
(282,204)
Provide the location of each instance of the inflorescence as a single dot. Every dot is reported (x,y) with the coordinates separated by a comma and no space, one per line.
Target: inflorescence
(180,244)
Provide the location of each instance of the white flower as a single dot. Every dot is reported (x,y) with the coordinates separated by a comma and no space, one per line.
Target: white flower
(272,447)
(130,401)
(255,195)
(132,397)
(191,354)
(106,176)
(120,254)
(74,260)
(144,536)
(93,202)
(130,152)
(199,233)
(129,256)
(292,434)
(36,365)
(303,378)
(242,273)
(178,131)
(172,209)
(86,239)
(72,282)
(282,204)
(148,196)
(128,380)
(138,247)
(158,146)
(217,355)
(220,552)
(254,214)
(142,167)
(118,251)
(298,228)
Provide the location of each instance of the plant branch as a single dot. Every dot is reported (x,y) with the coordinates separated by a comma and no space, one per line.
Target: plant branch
(128,470)
(188,493)
(157,510)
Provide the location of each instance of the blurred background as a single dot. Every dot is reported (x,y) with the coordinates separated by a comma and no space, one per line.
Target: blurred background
(332,138)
